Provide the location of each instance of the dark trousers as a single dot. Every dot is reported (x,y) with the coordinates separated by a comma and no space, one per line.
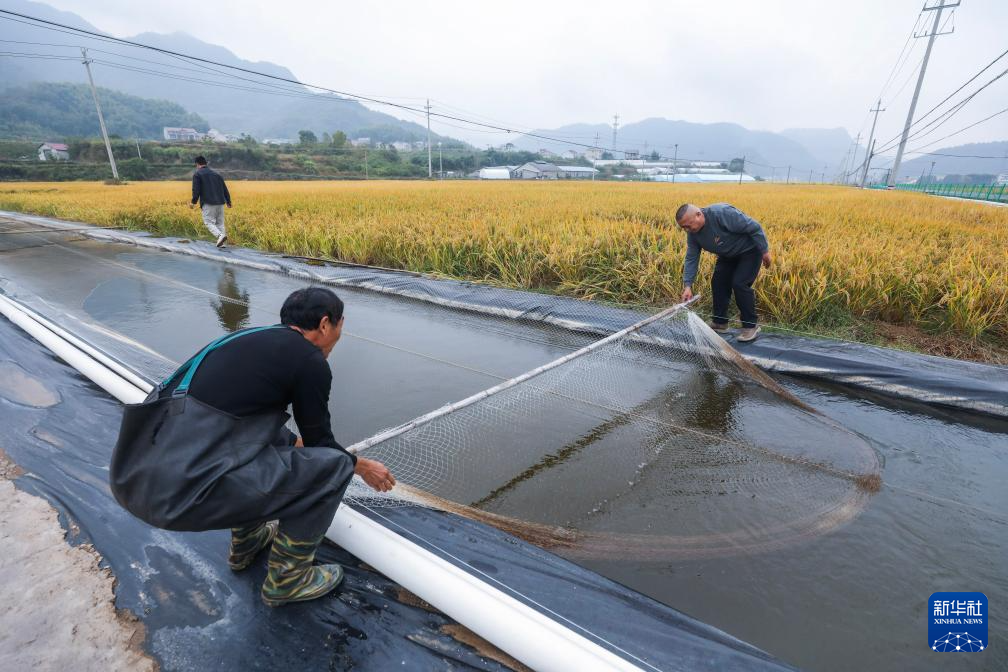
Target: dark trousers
(736,274)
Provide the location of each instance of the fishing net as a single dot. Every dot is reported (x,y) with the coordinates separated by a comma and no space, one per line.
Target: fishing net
(658,442)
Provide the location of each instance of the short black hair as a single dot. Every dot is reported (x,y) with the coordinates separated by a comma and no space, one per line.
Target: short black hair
(306,307)
(200,160)
(681,212)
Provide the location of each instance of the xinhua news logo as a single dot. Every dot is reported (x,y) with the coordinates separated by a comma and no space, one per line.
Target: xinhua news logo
(957,622)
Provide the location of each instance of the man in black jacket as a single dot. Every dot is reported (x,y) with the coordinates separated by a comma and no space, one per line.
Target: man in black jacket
(230,463)
(210,190)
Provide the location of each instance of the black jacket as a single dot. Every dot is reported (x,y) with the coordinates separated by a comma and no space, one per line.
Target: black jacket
(208,188)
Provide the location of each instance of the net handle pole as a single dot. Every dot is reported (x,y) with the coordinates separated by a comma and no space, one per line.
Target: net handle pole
(393,432)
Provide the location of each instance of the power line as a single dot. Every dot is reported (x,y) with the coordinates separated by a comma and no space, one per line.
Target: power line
(60,27)
(944,117)
(964,128)
(961,156)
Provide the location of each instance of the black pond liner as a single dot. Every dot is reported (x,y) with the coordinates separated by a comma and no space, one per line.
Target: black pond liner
(199,615)
(936,381)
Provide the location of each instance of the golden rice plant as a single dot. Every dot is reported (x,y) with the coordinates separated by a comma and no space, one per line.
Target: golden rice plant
(894,256)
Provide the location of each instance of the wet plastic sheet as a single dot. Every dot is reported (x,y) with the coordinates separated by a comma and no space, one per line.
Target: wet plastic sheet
(921,378)
(199,615)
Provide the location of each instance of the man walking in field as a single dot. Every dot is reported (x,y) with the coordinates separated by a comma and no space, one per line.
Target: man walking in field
(741,246)
(210,190)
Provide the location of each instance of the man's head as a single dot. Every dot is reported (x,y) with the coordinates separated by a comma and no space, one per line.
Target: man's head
(200,161)
(690,218)
(317,313)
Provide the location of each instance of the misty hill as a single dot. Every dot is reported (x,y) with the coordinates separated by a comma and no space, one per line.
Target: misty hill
(224,102)
(827,145)
(710,142)
(963,164)
(52,111)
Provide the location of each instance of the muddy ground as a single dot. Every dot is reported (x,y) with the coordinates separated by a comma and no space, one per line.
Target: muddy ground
(57,607)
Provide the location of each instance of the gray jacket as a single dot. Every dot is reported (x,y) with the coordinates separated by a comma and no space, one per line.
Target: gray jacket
(728,232)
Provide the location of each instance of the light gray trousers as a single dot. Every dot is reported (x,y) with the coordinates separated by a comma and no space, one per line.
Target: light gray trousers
(213,219)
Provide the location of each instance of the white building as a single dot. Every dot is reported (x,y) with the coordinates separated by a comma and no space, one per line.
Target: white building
(279,141)
(218,136)
(1002,178)
(577,172)
(53,151)
(182,134)
(703,177)
(360,142)
(536,170)
(495,173)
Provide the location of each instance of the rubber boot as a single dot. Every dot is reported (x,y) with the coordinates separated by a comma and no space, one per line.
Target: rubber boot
(246,542)
(291,577)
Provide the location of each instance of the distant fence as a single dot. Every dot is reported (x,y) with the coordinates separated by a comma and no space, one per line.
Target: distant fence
(997,193)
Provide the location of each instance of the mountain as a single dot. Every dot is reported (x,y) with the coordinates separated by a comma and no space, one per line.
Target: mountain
(963,163)
(45,110)
(827,145)
(708,142)
(273,109)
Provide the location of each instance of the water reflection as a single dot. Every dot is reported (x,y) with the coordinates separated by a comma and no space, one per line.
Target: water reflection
(714,399)
(232,308)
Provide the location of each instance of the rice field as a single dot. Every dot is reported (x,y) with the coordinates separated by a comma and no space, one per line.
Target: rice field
(839,253)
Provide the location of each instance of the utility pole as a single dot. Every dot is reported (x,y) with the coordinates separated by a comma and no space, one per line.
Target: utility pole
(139,156)
(772,171)
(937,9)
(849,168)
(365,164)
(788,181)
(675,155)
(615,126)
(101,118)
(440,166)
(867,162)
(430,167)
(597,154)
(931,173)
(810,175)
(741,169)
(871,141)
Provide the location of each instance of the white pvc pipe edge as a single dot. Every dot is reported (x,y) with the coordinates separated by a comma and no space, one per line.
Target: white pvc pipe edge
(529,635)
(84,347)
(516,628)
(97,372)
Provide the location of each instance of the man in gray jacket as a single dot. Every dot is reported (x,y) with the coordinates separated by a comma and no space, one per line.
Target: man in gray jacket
(210,190)
(741,246)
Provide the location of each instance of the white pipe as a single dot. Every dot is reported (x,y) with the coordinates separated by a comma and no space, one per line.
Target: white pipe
(392,432)
(97,372)
(529,635)
(85,347)
(518,629)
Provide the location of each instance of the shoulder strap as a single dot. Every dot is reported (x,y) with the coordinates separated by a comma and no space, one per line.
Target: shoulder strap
(188,370)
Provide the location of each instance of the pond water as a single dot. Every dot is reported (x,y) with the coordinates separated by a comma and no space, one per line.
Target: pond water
(839,581)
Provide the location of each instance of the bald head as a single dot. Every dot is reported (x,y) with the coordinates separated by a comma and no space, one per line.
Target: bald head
(690,218)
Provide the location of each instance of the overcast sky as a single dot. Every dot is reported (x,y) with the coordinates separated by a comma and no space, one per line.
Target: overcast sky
(765,64)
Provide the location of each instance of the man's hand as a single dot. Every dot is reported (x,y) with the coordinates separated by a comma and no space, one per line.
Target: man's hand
(767,259)
(299,443)
(192,205)
(229,205)
(375,474)
(687,293)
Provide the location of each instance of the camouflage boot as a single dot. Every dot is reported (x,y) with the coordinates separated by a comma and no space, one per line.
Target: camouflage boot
(246,542)
(291,577)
